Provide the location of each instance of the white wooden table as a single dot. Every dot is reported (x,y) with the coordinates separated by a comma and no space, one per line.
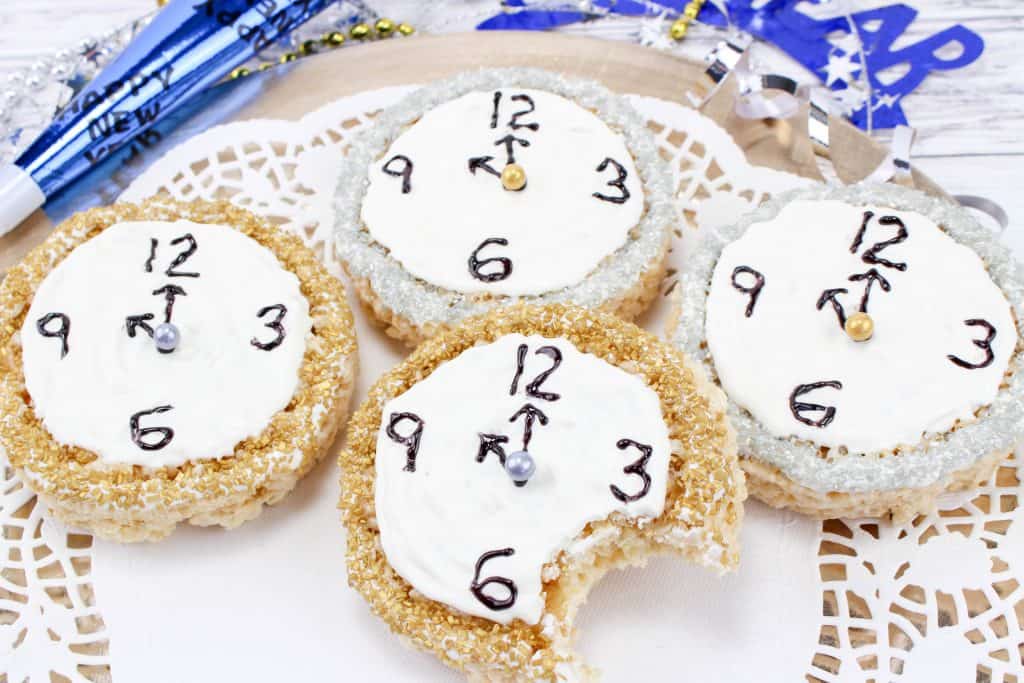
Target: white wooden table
(970,122)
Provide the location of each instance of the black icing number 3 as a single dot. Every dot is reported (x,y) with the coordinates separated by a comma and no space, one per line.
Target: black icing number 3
(275,325)
(638,468)
(619,183)
(984,344)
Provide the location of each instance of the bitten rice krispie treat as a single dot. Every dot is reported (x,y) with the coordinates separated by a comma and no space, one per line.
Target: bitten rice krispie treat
(868,339)
(500,186)
(168,363)
(493,477)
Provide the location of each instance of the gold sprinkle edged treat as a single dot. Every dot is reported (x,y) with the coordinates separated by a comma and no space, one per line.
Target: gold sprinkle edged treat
(513,177)
(860,327)
(701,519)
(132,503)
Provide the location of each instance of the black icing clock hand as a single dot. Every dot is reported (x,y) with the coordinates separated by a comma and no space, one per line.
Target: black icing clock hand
(530,414)
(831,296)
(169,292)
(492,443)
(510,141)
(133,322)
(869,278)
(481,163)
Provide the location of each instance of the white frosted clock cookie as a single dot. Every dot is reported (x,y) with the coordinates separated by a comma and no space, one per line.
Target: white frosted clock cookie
(868,339)
(493,477)
(170,362)
(501,186)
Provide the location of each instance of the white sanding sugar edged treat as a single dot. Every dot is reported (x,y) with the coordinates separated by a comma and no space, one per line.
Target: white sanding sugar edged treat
(830,422)
(430,233)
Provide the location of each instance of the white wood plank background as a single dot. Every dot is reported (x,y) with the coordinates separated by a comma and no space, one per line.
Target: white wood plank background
(970,122)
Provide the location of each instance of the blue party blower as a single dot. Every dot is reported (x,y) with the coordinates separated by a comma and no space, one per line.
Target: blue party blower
(187,47)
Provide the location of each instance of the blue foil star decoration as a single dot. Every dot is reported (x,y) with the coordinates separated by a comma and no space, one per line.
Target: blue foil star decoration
(846,51)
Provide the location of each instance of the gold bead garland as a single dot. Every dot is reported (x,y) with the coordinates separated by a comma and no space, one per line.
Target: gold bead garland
(360,32)
(382,28)
(681,25)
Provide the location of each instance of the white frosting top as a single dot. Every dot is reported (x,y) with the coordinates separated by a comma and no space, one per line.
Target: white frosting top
(220,386)
(437,521)
(557,230)
(897,387)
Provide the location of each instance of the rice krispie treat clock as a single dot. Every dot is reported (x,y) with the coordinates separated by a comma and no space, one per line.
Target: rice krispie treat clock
(868,339)
(498,186)
(493,477)
(170,362)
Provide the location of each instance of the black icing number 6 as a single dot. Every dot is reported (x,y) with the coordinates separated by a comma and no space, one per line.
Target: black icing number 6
(139,434)
(476,264)
(477,586)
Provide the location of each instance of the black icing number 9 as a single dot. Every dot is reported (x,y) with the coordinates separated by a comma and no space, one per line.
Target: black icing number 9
(59,331)
(139,434)
(477,265)
(400,166)
(477,586)
(411,440)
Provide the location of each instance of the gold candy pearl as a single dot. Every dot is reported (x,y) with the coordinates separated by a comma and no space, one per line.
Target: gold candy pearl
(240,72)
(334,38)
(308,47)
(360,32)
(513,177)
(679,29)
(406,29)
(384,27)
(860,327)
(288,57)
(692,10)
(265,66)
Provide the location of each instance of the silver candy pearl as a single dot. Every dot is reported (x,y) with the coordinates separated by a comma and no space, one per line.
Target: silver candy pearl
(166,337)
(520,466)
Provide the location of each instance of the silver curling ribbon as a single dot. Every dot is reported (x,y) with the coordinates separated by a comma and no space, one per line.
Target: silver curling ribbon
(189,46)
(723,60)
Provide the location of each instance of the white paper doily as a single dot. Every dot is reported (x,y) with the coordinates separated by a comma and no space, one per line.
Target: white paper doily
(933,600)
